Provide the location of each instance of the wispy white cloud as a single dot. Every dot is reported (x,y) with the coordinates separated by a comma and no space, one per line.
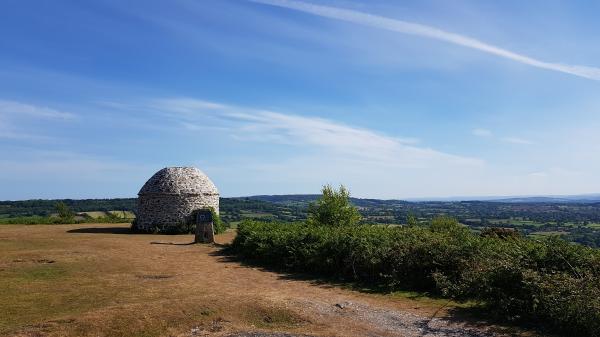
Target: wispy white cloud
(187,105)
(486,133)
(309,132)
(15,116)
(517,140)
(6,133)
(556,173)
(22,109)
(412,28)
(482,132)
(539,174)
(37,162)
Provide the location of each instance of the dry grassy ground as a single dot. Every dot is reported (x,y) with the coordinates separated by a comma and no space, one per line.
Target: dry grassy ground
(97,280)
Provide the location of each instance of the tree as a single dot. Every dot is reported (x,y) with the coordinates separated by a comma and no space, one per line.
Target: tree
(411,220)
(333,208)
(64,212)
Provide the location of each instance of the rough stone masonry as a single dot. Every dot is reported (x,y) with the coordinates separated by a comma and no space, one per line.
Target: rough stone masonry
(168,199)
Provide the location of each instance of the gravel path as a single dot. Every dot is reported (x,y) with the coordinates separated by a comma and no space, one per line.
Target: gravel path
(380,322)
(387,322)
(267,334)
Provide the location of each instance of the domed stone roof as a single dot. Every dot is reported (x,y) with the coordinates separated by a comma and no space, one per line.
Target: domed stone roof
(179,180)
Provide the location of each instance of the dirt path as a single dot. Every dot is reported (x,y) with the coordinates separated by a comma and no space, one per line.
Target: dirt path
(99,281)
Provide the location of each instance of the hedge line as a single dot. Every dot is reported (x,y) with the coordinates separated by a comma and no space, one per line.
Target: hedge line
(548,282)
(48,220)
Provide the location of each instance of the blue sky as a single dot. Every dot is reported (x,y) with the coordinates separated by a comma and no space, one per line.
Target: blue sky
(393,99)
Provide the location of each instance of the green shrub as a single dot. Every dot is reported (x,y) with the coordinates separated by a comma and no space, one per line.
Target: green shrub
(64,212)
(218,224)
(499,232)
(551,281)
(333,208)
(444,223)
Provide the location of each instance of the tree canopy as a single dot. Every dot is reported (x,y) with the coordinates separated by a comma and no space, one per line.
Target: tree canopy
(333,208)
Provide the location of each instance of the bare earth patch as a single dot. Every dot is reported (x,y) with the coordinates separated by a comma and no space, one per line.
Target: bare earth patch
(97,280)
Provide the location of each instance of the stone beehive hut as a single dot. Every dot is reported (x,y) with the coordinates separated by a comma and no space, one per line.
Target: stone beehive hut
(168,199)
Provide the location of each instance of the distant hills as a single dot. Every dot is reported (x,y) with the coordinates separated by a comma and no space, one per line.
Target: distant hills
(584,198)
(290,199)
(301,199)
(304,199)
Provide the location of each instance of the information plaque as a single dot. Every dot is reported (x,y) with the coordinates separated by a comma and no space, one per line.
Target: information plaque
(204,227)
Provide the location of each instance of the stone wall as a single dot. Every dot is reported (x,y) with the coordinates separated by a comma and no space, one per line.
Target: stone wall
(171,210)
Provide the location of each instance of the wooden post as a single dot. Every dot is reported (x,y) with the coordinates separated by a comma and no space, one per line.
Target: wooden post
(204,227)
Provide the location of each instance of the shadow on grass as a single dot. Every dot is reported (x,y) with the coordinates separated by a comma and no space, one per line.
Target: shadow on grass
(481,317)
(469,314)
(218,245)
(173,243)
(127,230)
(227,255)
(102,230)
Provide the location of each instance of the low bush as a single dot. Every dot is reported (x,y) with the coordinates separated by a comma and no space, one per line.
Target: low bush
(551,282)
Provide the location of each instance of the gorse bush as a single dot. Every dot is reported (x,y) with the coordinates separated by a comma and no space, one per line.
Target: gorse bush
(551,282)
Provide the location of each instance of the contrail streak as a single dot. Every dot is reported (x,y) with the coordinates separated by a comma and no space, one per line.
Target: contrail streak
(406,27)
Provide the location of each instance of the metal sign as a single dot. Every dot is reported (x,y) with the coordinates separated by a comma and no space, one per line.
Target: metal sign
(203,215)
(204,227)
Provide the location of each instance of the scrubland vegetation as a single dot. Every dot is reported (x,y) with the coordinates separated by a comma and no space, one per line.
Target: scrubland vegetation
(546,282)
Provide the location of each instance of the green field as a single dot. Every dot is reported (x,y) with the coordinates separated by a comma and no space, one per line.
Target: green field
(101,214)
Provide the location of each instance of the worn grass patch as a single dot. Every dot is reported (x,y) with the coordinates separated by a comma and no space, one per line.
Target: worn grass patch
(134,320)
(40,272)
(33,293)
(269,317)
